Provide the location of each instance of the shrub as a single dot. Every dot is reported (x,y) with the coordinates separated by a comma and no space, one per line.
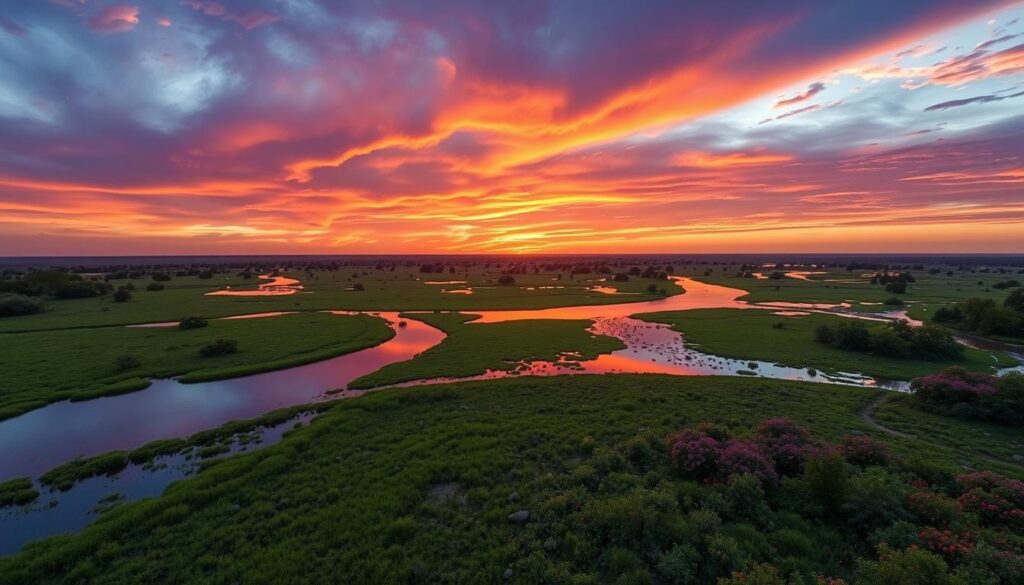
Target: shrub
(786,442)
(506,280)
(994,498)
(127,361)
(898,340)
(219,348)
(621,277)
(13,305)
(155,286)
(122,295)
(192,323)
(897,287)
(161,276)
(963,394)
(875,498)
(744,457)
(1015,301)
(695,453)
(760,574)
(80,289)
(912,566)
(825,474)
(894,302)
(358,287)
(862,450)
(934,508)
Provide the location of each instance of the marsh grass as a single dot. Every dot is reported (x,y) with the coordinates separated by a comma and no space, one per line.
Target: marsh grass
(755,334)
(473,348)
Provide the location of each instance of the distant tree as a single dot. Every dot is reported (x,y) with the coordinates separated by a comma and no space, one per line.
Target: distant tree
(161,276)
(896,287)
(155,286)
(621,277)
(205,274)
(192,323)
(1015,301)
(358,287)
(506,280)
(777,275)
(122,295)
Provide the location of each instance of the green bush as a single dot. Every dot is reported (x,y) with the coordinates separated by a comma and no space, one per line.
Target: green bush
(192,323)
(219,348)
(13,305)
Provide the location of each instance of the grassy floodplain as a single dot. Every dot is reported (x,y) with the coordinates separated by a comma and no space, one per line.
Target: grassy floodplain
(50,365)
(427,496)
(403,289)
(837,285)
(754,334)
(473,348)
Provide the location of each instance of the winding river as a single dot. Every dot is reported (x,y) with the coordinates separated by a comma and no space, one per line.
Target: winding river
(39,440)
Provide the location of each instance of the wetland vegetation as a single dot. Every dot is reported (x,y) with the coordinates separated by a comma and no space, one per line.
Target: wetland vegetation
(613,478)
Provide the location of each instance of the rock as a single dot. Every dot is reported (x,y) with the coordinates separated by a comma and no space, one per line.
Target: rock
(508,574)
(519,517)
(514,496)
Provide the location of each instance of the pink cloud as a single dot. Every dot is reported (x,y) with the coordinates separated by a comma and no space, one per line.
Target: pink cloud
(115,18)
(811,91)
(164,21)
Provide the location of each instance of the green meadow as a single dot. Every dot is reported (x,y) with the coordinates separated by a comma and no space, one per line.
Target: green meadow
(473,348)
(789,340)
(50,365)
(404,289)
(929,292)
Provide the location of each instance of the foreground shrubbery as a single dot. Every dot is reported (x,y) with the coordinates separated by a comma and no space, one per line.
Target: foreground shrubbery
(897,340)
(537,480)
(778,493)
(972,395)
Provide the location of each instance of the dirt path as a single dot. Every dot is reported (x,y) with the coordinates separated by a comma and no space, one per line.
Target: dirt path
(868,415)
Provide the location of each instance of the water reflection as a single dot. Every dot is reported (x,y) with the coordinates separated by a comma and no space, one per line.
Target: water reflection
(46,437)
(655,348)
(278,285)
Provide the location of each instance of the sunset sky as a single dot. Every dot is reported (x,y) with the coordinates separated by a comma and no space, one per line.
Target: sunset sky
(322,126)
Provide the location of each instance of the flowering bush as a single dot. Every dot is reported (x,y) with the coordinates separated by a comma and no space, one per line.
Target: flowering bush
(787,443)
(935,509)
(863,450)
(705,453)
(954,385)
(743,457)
(946,543)
(994,498)
(957,392)
(696,450)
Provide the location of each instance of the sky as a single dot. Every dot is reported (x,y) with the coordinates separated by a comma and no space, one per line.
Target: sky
(334,127)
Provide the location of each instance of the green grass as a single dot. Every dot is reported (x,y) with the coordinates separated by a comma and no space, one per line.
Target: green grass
(925,296)
(403,289)
(17,492)
(46,366)
(1002,442)
(473,348)
(749,334)
(415,485)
